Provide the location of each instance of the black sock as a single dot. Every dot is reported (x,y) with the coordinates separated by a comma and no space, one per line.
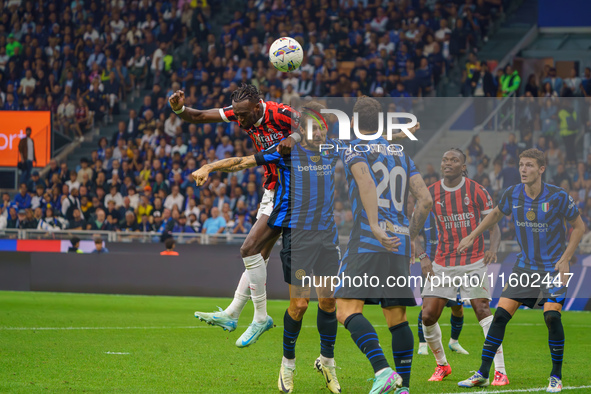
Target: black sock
(493,340)
(365,337)
(327,328)
(456,326)
(555,341)
(420,326)
(291,330)
(402,349)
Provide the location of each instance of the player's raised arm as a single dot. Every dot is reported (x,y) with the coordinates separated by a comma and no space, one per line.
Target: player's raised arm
(231,164)
(423,205)
(369,198)
(490,220)
(191,115)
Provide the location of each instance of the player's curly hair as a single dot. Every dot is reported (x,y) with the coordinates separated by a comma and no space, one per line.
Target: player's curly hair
(246,92)
(465,172)
(368,110)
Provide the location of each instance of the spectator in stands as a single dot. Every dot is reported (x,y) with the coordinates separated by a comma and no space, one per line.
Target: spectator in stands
(510,175)
(181,225)
(130,223)
(100,222)
(22,200)
(215,224)
(555,82)
(569,127)
(510,81)
(26,150)
(77,222)
(170,244)
(549,117)
(34,182)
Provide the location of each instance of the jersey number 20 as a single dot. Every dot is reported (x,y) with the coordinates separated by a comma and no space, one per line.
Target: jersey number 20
(389,177)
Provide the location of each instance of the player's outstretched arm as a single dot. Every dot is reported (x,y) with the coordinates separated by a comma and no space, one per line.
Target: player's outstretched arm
(490,256)
(231,164)
(490,220)
(423,205)
(369,199)
(191,115)
(562,265)
(402,136)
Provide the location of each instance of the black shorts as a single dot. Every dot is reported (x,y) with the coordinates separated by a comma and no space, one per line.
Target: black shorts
(530,291)
(373,278)
(308,253)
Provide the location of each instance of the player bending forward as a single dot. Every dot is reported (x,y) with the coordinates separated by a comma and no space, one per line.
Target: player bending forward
(310,240)
(538,211)
(266,123)
(460,204)
(371,253)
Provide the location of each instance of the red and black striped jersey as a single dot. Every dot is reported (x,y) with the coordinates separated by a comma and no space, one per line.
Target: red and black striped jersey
(458,211)
(277,123)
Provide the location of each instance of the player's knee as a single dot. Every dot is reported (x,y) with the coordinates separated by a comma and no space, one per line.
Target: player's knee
(248,248)
(298,307)
(327,304)
(428,318)
(342,315)
(501,316)
(551,318)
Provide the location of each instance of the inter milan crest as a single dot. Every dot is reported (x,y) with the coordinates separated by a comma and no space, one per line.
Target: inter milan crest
(466,200)
(315,159)
(531,216)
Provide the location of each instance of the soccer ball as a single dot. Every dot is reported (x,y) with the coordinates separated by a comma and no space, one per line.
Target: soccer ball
(286,54)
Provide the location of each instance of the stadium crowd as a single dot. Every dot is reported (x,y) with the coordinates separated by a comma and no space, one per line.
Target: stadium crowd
(81,59)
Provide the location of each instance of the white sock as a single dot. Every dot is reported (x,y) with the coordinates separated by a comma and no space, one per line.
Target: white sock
(288,362)
(241,297)
(378,373)
(329,362)
(433,337)
(499,358)
(257,275)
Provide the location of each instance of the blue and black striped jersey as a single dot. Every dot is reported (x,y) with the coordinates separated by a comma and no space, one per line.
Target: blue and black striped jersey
(429,233)
(539,224)
(305,196)
(391,171)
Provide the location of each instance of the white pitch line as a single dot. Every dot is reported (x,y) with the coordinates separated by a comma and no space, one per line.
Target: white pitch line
(207,326)
(115,353)
(521,390)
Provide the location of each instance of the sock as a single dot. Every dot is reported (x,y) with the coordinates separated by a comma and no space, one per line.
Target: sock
(241,297)
(327,328)
(257,275)
(456,326)
(365,337)
(433,338)
(555,341)
(420,325)
(291,330)
(494,339)
(499,358)
(288,362)
(402,349)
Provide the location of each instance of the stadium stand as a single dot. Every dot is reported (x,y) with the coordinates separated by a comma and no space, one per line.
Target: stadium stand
(106,69)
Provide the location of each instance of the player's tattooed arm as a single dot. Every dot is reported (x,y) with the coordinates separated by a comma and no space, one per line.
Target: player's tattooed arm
(369,198)
(490,220)
(423,205)
(562,265)
(231,164)
(191,115)
(402,136)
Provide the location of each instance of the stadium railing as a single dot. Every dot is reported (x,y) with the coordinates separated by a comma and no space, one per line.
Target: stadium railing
(114,236)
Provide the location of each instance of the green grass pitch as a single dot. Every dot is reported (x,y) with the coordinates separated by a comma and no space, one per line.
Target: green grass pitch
(141,344)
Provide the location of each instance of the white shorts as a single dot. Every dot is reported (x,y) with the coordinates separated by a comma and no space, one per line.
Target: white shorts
(267,203)
(466,282)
